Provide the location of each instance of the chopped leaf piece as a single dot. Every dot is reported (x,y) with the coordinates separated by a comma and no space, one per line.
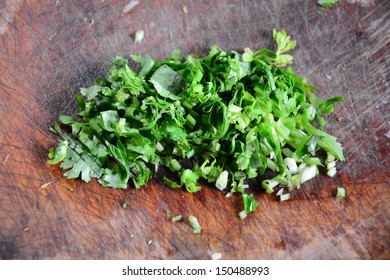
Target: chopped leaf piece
(284,197)
(176,218)
(189,179)
(57,155)
(326,3)
(45,185)
(250,204)
(129,6)
(340,194)
(195,224)
(284,45)
(309,173)
(222,180)
(139,36)
(68,188)
(171,184)
(242,215)
(167,82)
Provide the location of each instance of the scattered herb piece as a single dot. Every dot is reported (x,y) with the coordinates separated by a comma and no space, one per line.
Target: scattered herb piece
(195,224)
(326,3)
(139,36)
(171,184)
(125,202)
(176,218)
(285,196)
(129,6)
(216,256)
(250,203)
(232,116)
(68,188)
(340,194)
(45,185)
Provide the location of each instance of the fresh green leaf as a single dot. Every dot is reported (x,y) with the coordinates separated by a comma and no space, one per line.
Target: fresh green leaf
(167,82)
(326,3)
(250,204)
(171,184)
(59,154)
(340,194)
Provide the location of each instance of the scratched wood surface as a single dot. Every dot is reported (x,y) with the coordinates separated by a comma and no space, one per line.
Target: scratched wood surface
(49,49)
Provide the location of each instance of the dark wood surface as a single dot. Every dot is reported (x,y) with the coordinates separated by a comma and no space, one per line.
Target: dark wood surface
(49,49)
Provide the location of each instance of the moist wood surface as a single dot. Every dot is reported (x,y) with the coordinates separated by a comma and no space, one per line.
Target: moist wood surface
(49,49)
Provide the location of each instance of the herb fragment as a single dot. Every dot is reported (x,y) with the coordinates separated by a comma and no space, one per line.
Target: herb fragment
(195,224)
(129,6)
(176,218)
(327,3)
(139,36)
(340,194)
(68,188)
(45,185)
(231,116)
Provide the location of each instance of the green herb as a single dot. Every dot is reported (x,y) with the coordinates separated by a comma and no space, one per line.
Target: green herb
(340,194)
(326,3)
(250,205)
(195,224)
(231,116)
(176,218)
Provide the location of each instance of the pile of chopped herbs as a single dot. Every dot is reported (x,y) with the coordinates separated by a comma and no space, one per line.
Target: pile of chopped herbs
(231,116)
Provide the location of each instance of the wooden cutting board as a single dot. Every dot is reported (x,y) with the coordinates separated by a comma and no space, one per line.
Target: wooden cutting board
(49,49)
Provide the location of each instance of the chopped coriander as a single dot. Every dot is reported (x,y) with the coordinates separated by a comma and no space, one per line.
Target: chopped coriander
(250,204)
(176,218)
(195,224)
(232,116)
(340,194)
(285,196)
(327,3)
(171,184)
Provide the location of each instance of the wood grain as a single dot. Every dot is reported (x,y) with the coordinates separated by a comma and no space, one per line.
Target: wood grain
(49,49)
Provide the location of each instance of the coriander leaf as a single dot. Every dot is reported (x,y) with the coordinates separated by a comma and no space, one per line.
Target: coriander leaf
(171,184)
(250,204)
(91,92)
(167,82)
(326,3)
(190,179)
(284,45)
(340,194)
(195,224)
